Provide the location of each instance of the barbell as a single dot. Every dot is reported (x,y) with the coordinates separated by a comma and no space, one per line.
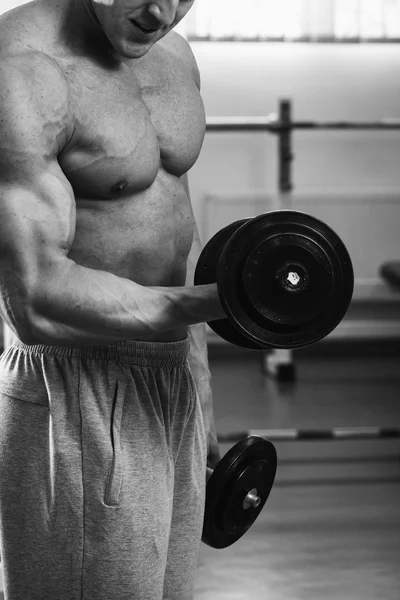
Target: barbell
(285,280)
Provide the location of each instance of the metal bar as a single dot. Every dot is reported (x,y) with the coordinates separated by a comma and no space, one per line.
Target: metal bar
(285,147)
(340,460)
(273,125)
(323,482)
(241,123)
(311,435)
(339,125)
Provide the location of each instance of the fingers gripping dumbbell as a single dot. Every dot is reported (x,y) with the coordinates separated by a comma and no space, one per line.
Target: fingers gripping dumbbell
(285,280)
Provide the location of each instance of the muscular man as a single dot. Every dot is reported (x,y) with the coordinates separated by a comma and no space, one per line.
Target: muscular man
(103,438)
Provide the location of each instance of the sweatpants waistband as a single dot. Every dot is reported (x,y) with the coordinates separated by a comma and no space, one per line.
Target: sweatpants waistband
(132,352)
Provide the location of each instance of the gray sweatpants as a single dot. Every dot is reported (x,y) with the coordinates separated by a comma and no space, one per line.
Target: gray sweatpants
(102,472)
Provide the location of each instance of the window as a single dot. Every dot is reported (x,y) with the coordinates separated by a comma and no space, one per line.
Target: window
(7,5)
(293,20)
(286,20)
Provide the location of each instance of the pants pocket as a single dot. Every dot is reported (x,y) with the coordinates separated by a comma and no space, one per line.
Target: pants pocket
(113,490)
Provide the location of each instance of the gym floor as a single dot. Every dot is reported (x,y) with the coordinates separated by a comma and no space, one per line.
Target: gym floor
(331,527)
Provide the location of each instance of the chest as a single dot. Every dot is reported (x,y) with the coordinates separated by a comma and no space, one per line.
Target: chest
(130,122)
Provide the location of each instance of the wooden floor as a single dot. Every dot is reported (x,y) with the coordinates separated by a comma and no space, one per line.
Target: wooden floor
(331,527)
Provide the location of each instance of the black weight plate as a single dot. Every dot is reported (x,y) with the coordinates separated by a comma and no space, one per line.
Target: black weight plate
(206,273)
(228,486)
(288,279)
(255,294)
(237,518)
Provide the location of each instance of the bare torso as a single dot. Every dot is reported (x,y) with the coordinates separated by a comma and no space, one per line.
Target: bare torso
(137,129)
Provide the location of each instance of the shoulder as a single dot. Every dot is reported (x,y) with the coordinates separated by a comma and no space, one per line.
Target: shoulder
(25,33)
(24,27)
(34,97)
(36,74)
(25,49)
(181,49)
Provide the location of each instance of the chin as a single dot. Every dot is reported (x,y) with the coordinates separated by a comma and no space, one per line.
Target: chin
(132,49)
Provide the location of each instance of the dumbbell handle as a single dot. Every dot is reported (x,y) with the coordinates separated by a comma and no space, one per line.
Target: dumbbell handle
(252,500)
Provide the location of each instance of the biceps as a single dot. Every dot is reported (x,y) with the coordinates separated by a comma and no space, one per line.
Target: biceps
(37,224)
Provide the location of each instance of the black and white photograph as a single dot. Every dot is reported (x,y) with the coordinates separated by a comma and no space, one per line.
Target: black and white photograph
(199,299)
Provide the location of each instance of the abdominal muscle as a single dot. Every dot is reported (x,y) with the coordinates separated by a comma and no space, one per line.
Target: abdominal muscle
(144,237)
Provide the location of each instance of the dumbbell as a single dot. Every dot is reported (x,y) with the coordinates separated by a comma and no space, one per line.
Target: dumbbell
(237,491)
(285,280)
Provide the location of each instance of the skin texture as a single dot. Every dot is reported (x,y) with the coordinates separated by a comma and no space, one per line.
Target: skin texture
(100,124)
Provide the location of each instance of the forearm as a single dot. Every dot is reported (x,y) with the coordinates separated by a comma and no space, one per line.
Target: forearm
(75,305)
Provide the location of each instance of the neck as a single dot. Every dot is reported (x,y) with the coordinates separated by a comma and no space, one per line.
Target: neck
(87,6)
(84,34)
